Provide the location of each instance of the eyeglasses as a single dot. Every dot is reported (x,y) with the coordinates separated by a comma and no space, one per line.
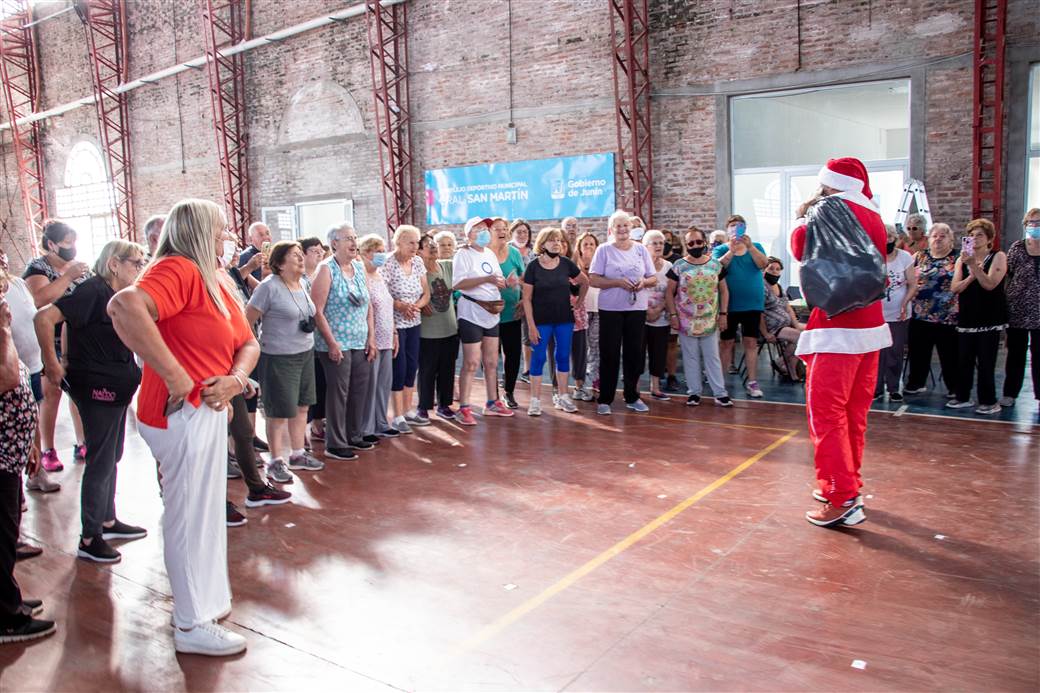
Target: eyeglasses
(139,264)
(913,228)
(696,244)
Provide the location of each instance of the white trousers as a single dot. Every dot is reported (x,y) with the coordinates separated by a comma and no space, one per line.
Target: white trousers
(702,353)
(192,455)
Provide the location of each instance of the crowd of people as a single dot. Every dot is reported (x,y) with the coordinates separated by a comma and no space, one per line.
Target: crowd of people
(350,341)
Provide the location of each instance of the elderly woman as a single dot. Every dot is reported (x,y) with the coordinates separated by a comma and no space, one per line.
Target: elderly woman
(1023,300)
(510,334)
(445,241)
(897,307)
(586,364)
(439,337)
(547,309)
(916,239)
(49,277)
(313,254)
(372,249)
(978,280)
(477,276)
(405,276)
(658,326)
(101,377)
(185,322)
(624,272)
(934,321)
(345,342)
(779,323)
(520,238)
(283,305)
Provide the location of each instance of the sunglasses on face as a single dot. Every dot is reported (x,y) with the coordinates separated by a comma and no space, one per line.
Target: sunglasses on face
(913,228)
(696,244)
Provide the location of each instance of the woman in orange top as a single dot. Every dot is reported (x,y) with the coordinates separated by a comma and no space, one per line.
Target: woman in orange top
(184,320)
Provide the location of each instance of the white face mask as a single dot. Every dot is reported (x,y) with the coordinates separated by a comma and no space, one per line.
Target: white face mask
(229,252)
(636,234)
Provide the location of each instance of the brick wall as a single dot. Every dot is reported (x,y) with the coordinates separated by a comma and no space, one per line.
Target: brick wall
(310,117)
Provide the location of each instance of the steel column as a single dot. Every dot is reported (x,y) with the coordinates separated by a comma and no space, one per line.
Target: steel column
(105,22)
(388,53)
(224,25)
(988,116)
(630,36)
(18,70)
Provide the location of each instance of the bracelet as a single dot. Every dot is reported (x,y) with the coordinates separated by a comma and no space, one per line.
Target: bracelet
(238,378)
(722,312)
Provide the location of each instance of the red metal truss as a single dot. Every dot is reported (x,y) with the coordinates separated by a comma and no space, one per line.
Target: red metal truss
(105,22)
(224,24)
(21,97)
(388,52)
(630,32)
(988,116)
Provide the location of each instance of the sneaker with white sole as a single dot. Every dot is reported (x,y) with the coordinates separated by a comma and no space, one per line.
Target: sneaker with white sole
(603,409)
(958,404)
(1007,401)
(29,629)
(848,514)
(418,418)
(914,390)
(723,401)
(565,403)
(988,408)
(208,639)
(41,482)
(121,530)
(639,406)
(753,390)
(401,425)
(306,463)
(278,472)
(535,407)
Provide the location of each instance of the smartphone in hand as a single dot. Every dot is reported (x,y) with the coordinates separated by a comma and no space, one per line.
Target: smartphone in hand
(968,245)
(740,230)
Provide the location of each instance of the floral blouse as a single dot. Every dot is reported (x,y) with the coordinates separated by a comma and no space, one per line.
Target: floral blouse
(404,287)
(383,311)
(935,300)
(1023,288)
(19,414)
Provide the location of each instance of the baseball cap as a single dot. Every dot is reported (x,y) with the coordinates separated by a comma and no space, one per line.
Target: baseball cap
(474,221)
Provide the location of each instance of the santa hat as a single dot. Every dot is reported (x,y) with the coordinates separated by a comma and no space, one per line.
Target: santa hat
(848,175)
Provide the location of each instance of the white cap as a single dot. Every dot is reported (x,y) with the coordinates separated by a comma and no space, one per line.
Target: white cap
(476,221)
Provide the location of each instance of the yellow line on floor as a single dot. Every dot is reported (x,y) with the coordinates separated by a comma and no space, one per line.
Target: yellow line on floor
(530,605)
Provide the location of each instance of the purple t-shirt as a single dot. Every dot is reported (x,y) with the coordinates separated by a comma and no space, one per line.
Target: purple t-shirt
(633,264)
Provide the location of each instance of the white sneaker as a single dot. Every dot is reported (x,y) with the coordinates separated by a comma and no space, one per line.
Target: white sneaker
(535,407)
(41,482)
(1007,401)
(565,403)
(208,639)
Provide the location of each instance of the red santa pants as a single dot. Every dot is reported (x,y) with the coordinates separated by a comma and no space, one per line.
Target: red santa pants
(838,391)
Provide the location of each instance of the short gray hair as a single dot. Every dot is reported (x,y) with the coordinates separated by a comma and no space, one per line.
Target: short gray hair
(919,218)
(333,233)
(154,224)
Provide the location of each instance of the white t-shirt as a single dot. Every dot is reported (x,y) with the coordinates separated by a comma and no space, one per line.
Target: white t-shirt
(897,288)
(468,264)
(592,300)
(23,309)
(656,298)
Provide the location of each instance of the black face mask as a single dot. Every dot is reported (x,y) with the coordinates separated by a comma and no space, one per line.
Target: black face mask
(890,247)
(696,251)
(772,278)
(66,254)
(667,249)
(551,254)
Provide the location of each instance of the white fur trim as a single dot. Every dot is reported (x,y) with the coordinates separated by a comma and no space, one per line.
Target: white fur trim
(860,199)
(844,340)
(839,181)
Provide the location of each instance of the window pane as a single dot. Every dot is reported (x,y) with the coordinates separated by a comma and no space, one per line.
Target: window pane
(867,121)
(1034,107)
(756,196)
(1033,186)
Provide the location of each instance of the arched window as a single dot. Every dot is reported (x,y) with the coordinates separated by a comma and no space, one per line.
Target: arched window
(86,200)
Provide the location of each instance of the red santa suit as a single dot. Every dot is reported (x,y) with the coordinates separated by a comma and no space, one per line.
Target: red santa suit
(841,353)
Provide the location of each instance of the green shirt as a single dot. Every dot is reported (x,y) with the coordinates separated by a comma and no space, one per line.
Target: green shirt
(442,323)
(514,265)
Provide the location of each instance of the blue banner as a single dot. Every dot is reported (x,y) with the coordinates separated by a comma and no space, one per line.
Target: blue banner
(572,186)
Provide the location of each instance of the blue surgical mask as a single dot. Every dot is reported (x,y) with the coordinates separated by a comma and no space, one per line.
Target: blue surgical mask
(1033,232)
(483,238)
(378,259)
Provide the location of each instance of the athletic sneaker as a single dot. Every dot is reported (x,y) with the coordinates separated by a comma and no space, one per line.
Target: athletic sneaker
(525,377)
(79,453)
(279,473)
(33,606)
(259,445)
(988,408)
(465,416)
(753,390)
(306,463)
(41,482)
(371,439)
(914,390)
(317,435)
(121,530)
(693,400)
(817,495)
(361,445)
(233,470)
(30,629)
(957,404)
(402,425)
(565,403)
(340,453)
(1007,401)
(497,408)
(49,460)
(895,397)
(268,496)
(535,407)
(446,413)
(389,433)
(723,401)
(639,406)
(99,551)
(848,513)
(582,394)
(603,409)
(419,418)
(659,396)
(511,401)
(234,518)
(208,639)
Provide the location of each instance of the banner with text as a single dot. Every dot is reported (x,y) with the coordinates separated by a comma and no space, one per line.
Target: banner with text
(571,186)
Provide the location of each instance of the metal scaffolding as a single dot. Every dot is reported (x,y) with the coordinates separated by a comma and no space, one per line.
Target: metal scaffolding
(630,33)
(105,24)
(988,115)
(388,51)
(18,72)
(226,24)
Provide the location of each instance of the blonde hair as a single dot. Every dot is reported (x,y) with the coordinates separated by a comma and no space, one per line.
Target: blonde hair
(401,230)
(1035,211)
(373,241)
(546,235)
(118,249)
(617,217)
(941,227)
(188,233)
(651,236)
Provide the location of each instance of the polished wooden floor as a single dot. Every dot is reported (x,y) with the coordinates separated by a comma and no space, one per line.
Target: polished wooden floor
(575,552)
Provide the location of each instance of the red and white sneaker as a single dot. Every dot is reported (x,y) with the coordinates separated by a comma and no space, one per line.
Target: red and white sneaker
(498,408)
(848,514)
(49,460)
(465,416)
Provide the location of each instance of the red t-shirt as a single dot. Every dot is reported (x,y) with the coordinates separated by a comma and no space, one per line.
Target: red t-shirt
(202,340)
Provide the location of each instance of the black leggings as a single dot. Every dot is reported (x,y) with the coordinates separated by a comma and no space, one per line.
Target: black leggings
(11,613)
(241,431)
(924,336)
(657,349)
(317,410)
(617,329)
(510,336)
(978,348)
(437,370)
(1018,342)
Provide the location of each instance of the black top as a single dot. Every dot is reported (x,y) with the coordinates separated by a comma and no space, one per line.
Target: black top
(247,255)
(551,297)
(100,367)
(979,308)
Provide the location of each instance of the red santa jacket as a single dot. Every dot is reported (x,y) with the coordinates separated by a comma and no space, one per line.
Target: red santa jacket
(858,331)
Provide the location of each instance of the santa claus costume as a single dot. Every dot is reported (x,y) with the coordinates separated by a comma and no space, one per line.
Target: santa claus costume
(841,359)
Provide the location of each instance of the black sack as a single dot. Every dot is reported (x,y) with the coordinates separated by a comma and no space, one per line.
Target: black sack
(842,269)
